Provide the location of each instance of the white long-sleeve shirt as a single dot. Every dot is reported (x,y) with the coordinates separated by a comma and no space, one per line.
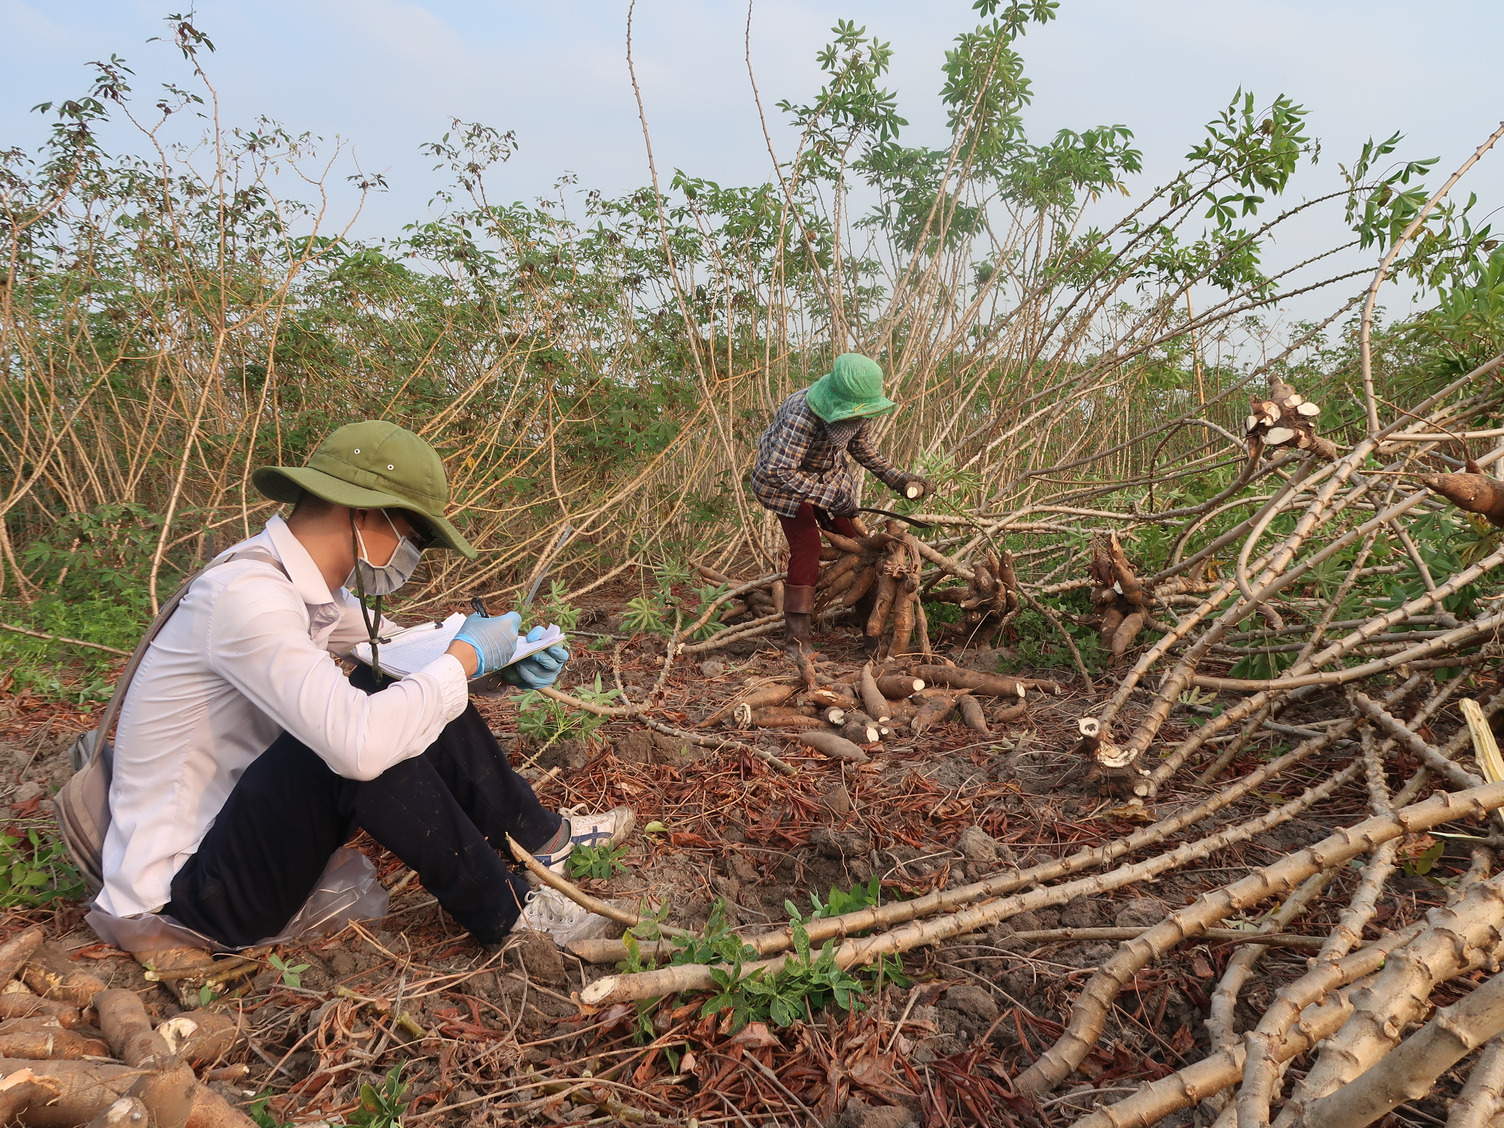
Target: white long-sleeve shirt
(246,656)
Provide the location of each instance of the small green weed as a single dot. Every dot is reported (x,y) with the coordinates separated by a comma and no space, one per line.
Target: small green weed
(546,720)
(938,613)
(555,608)
(599,862)
(670,571)
(1040,647)
(644,613)
(292,974)
(706,596)
(263,1115)
(35,870)
(1197,719)
(664,609)
(379,1108)
(1261,666)
(648,928)
(715,944)
(382,1108)
(841,902)
(805,983)
(1420,863)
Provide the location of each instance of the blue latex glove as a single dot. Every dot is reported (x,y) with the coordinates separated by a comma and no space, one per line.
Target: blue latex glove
(494,638)
(537,670)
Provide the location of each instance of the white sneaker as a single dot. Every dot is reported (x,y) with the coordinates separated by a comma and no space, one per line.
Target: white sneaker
(550,912)
(613,827)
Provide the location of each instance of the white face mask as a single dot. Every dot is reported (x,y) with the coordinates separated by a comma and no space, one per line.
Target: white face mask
(383,579)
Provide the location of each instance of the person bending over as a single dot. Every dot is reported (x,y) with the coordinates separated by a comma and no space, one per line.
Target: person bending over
(245,756)
(802,475)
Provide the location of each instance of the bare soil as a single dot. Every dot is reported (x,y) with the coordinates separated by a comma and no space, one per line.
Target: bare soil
(504,1041)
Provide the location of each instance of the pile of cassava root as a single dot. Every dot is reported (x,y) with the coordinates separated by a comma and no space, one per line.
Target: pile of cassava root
(74,1052)
(847,719)
(880,576)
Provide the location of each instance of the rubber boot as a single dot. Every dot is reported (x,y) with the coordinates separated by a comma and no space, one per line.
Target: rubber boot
(798,606)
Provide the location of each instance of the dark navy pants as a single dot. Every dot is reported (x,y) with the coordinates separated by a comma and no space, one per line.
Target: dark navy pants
(445,813)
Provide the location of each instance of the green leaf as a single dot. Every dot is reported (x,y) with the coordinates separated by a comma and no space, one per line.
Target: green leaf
(1429,858)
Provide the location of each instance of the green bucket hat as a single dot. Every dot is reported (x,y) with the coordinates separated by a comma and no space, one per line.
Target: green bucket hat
(372,465)
(852,388)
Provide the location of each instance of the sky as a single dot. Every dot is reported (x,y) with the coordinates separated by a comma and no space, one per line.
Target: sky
(387,75)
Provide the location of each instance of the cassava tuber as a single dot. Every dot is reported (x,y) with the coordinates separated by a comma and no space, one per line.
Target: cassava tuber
(971,713)
(754,698)
(873,701)
(932,710)
(784,719)
(835,746)
(1008,713)
(24,1004)
(897,687)
(828,697)
(1474,493)
(52,975)
(860,732)
(16,951)
(20,1091)
(994,685)
(127,1112)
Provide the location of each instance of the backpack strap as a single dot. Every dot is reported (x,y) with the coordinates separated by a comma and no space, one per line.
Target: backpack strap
(103,748)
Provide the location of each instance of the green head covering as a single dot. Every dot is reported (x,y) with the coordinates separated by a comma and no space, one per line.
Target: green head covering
(373,465)
(852,388)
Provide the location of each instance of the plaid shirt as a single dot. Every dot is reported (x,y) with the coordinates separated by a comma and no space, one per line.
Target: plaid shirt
(799,460)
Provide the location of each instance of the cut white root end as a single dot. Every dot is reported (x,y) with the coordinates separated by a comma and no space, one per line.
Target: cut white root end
(1111,756)
(912,491)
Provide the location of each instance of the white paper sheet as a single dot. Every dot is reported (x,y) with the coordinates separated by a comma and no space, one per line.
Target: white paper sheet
(408,651)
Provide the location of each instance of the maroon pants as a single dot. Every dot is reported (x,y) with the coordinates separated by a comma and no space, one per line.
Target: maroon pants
(803,533)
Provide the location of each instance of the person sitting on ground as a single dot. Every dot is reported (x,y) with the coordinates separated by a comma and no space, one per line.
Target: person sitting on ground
(245,756)
(801,473)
